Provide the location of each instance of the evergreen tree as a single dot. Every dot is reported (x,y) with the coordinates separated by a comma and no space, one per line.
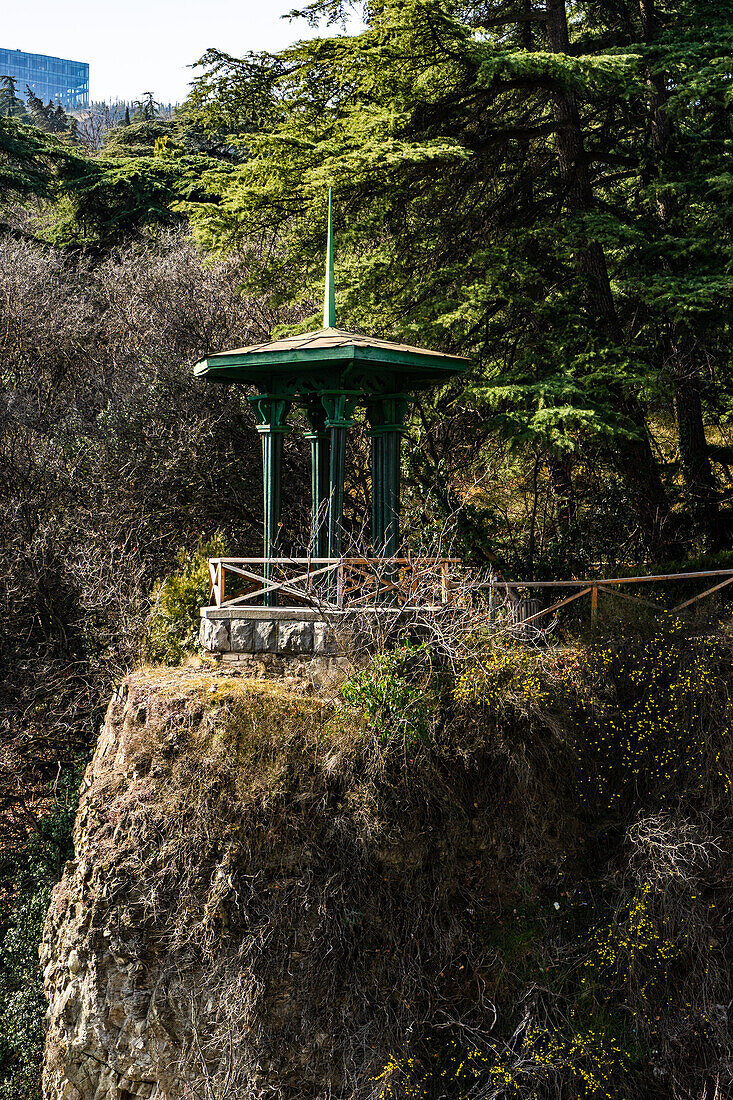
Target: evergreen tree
(10,105)
(145,109)
(31,163)
(543,194)
(52,119)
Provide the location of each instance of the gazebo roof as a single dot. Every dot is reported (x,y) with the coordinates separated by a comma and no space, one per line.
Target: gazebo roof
(331,359)
(351,354)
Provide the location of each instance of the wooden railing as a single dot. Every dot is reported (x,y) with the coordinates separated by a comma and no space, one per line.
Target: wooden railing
(334,584)
(421,584)
(520,620)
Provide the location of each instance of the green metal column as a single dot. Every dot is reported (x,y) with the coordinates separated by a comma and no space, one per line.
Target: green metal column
(375,416)
(377,495)
(320,441)
(336,509)
(391,441)
(271,412)
(339,409)
(387,419)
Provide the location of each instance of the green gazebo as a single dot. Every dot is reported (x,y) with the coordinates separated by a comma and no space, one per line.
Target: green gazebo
(330,373)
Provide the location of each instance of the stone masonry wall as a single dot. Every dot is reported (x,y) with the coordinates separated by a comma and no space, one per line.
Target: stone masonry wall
(287,637)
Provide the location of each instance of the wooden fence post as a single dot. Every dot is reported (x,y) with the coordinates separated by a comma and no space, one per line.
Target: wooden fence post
(340,569)
(445,581)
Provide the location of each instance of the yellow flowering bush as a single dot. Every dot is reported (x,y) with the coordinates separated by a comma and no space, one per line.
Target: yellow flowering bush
(173,623)
(630,715)
(588,1060)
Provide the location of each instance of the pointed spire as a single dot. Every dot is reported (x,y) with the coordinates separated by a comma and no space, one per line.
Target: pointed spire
(329,300)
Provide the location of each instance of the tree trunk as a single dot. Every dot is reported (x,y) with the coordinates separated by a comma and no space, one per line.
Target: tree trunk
(561,482)
(634,458)
(692,444)
(683,359)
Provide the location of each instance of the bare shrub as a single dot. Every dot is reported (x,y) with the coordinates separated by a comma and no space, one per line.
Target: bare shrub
(668,849)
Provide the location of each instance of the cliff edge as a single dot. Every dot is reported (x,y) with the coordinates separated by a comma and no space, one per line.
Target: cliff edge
(244,915)
(273,897)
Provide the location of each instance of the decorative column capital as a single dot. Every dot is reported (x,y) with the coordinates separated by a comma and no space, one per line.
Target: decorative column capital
(315,414)
(387,413)
(340,406)
(272,411)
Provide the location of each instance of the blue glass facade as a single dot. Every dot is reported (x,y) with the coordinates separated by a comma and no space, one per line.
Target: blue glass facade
(65,82)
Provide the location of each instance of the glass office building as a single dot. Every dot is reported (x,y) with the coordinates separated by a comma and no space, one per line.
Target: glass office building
(65,82)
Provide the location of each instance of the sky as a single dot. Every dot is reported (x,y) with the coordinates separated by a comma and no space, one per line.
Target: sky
(146,45)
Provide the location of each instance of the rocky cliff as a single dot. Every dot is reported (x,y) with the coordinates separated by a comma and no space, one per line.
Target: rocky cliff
(271,899)
(245,913)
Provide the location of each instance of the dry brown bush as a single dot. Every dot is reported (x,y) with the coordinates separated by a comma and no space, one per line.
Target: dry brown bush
(112,456)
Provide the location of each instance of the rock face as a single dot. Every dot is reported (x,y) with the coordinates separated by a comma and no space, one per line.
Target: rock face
(111,1016)
(153,930)
(264,901)
(276,896)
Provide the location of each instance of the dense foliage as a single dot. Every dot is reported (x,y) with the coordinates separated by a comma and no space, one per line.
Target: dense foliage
(173,623)
(611,970)
(33,870)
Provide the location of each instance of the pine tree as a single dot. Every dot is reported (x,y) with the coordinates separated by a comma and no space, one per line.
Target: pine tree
(46,116)
(10,105)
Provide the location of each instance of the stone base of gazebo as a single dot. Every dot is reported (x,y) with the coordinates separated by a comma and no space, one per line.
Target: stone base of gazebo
(281,631)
